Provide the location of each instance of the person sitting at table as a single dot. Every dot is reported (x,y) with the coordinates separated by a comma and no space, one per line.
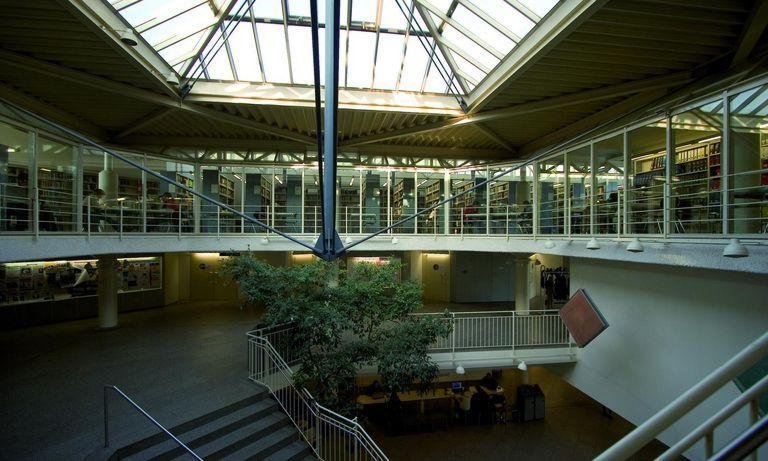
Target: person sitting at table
(375,390)
(489,383)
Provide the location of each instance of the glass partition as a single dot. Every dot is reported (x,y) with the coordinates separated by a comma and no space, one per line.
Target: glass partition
(257,196)
(580,189)
(429,190)
(551,193)
(748,160)
(15,159)
(376,184)
(695,200)
(509,199)
(348,201)
(57,186)
(403,200)
(609,180)
(648,160)
(171,210)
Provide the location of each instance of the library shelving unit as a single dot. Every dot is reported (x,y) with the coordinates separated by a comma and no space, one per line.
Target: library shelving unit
(429,194)
(696,179)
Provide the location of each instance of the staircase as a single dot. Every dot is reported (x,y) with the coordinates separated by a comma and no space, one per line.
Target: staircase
(255,428)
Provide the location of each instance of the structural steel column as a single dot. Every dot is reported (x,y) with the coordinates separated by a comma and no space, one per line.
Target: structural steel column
(107,292)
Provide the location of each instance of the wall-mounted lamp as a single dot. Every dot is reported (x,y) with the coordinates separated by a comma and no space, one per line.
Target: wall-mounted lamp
(635,246)
(592,244)
(460,370)
(735,249)
(394,241)
(549,243)
(522,366)
(264,240)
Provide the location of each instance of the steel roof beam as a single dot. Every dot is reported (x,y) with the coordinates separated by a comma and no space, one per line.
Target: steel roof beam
(217,23)
(104,84)
(437,36)
(756,24)
(546,35)
(460,27)
(622,89)
(107,24)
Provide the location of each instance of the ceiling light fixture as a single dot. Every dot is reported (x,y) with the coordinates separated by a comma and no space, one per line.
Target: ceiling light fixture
(735,249)
(129,38)
(592,244)
(522,366)
(460,370)
(635,246)
(172,79)
(549,243)
(348,240)
(264,240)
(277,178)
(394,241)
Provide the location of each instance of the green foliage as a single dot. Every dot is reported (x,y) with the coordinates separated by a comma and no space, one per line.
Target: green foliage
(346,318)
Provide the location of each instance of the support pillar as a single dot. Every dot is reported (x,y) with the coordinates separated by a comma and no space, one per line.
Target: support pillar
(107,292)
(522,299)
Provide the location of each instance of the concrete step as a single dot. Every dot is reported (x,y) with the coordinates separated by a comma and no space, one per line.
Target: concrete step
(210,431)
(229,412)
(256,447)
(296,451)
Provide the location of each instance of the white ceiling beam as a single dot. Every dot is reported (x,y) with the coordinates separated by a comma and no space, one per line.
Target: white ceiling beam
(494,137)
(461,28)
(255,145)
(479,12)
(566,16)
(304,96)
(527,12)
(144,121)
(220,16)
(436,35)
(756,24)
(122,89)
(614,91)
(583,125)
(107,24)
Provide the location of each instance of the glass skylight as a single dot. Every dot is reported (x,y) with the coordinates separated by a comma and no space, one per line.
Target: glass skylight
(435,46)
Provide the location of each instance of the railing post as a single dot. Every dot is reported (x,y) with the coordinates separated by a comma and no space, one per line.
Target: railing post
(218,222)
(461,220)
(357,439)
(179,223)
(36,211)
(121,220)
(89,217)
(506,225)
(106,418)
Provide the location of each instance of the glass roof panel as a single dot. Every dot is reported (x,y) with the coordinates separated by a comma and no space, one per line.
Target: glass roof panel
(477,34)
(244,53)
(388,61)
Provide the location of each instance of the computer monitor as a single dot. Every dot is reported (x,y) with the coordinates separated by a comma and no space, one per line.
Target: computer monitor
(457,386)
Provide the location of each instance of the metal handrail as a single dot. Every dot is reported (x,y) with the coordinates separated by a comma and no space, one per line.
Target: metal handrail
(351,426)
(686,402)
(143,412)
(708,427)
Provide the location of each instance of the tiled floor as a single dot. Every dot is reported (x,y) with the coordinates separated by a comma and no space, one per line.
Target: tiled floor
(184,360)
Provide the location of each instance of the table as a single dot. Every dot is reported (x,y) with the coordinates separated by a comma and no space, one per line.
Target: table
(410,396)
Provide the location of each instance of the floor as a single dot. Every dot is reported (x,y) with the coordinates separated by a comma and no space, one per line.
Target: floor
(185,360)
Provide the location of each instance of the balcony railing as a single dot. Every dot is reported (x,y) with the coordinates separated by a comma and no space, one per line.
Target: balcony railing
(332,436)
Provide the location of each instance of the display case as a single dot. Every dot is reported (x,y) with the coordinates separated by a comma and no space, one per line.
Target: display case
(57,280)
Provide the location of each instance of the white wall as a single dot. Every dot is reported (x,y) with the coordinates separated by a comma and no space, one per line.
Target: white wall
(482,277)
(668,329)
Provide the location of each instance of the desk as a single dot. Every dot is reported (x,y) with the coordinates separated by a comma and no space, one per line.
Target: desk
(410,396)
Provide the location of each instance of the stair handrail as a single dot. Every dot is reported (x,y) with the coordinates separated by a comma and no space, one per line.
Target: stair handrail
(122,394)
(364,439)
(687,401)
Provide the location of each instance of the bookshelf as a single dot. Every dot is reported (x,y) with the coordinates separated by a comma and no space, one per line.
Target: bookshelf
(696,180)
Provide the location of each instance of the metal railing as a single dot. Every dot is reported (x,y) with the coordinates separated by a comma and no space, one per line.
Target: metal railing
(143,412)
(331,435)
(474,331)
(690,399)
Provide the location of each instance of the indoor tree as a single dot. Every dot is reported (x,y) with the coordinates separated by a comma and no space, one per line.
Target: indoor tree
(346,318)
